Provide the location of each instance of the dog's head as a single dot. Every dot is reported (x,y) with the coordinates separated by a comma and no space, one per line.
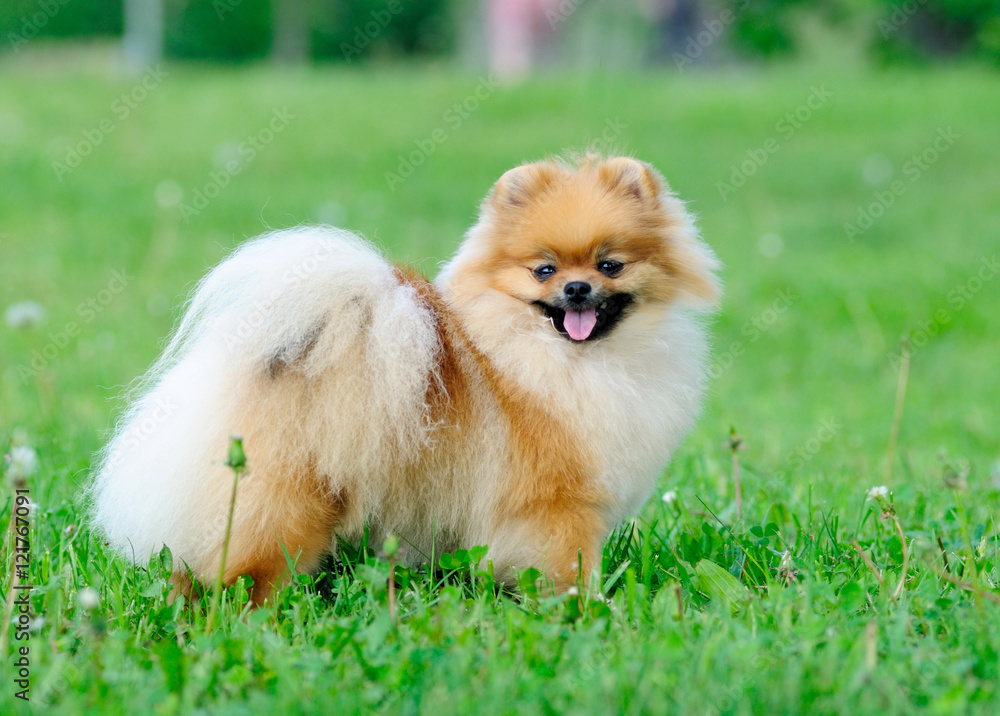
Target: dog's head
(585,245)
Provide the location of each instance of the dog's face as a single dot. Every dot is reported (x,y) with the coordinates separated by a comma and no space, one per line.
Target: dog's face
(586,247)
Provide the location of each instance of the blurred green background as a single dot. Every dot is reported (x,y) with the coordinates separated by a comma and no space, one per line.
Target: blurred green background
(635,31)
(845,152)
(842,158)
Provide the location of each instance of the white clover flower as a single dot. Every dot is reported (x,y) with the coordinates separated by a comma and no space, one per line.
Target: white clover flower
(786,561)
(24,314)
(573,592)
(169,193)
(879,492)
(786,568)
(670,498)
(88,599)
(22,463)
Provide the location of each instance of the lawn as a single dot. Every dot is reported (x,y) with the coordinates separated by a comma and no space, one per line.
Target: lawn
(850,210)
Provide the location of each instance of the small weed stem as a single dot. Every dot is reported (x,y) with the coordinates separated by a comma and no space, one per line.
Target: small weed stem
(237,461)
(735,444)
(967,586)
(390,548)
(906,557)
(867,560)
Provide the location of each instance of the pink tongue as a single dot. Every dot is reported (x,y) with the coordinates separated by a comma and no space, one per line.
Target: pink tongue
(579,324)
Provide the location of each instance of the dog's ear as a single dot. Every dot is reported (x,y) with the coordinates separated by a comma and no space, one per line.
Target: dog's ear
(520,185)
(632,178)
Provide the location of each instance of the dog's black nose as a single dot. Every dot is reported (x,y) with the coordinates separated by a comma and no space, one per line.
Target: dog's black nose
(577,291)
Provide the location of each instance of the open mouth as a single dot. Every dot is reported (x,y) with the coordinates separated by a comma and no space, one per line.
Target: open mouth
(591,322)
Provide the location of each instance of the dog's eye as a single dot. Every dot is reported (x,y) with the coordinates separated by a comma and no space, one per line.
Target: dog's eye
(544,272)
(610,267)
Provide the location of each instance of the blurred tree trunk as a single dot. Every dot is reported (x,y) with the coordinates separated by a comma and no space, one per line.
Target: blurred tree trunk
(143,41)
(291,31)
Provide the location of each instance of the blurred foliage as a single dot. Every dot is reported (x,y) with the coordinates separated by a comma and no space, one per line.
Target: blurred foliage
(217,29)
(763,27)
(900,30)
(237,30)
(922,29)
(26,19)
(338,29)
(351,30)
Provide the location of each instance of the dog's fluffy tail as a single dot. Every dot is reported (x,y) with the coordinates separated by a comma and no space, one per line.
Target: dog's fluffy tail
(313,348)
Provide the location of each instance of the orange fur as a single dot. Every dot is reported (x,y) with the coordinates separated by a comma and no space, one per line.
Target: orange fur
(549,495)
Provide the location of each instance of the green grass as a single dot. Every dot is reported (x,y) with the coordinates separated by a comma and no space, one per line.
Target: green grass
(702,616)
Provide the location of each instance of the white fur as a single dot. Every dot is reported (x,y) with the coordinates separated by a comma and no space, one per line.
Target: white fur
(160,479)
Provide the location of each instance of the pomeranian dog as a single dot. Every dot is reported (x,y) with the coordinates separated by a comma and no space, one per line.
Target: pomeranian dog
(528,399)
